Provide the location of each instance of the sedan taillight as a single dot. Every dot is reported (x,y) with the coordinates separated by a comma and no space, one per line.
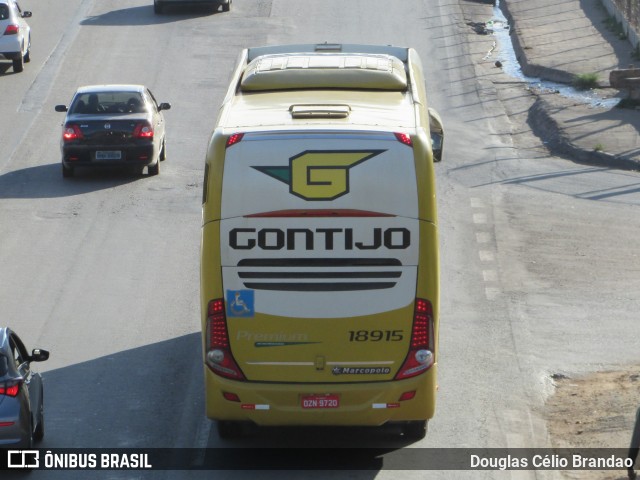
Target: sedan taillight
(12,29)
(143,130)
(11,388)
(71,133)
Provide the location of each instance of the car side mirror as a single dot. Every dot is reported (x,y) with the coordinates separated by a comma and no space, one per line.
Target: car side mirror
(164,106)
(437,135)
(39,355)
(26,14)
(61,108)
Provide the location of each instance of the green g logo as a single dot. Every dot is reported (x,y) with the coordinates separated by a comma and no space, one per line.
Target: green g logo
(319,175)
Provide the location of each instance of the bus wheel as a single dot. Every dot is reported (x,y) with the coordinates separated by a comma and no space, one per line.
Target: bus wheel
(229,430)
(415,430)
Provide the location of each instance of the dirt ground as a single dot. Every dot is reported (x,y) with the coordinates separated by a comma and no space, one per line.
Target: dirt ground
(594,411)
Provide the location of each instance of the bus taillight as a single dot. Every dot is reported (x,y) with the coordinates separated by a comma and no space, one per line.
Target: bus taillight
(420,356)
(218,351)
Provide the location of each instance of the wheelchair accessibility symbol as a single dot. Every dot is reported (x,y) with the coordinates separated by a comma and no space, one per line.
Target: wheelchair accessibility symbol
(240,303)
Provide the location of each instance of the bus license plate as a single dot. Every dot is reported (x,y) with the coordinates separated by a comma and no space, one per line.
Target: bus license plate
(320,401)
(108,155)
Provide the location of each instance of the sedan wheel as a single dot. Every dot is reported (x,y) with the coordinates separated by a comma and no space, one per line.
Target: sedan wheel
(226,6)
(157,8)
(67,171)
(163,152)
(415,430)
(27,56)
(229,429)
(18,64)
(38,434)
(154,169)
(28,442)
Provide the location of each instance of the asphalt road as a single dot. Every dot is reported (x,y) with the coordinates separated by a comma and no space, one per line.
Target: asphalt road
(539,255)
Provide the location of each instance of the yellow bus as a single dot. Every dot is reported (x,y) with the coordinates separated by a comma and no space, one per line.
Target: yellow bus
(319,253)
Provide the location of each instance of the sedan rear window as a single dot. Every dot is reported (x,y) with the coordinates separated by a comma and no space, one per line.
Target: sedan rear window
(4,11)
(108,102)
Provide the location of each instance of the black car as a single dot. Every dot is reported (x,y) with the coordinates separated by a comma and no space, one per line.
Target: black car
(21,393)
(113,125)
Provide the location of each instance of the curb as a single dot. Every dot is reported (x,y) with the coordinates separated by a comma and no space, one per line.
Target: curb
(542,123)
(545,127)
(531,70)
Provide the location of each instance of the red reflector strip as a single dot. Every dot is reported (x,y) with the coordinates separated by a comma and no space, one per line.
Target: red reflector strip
(407,395)
(253,406)
(6,424)
(385,405)
(232,397)
(342,212)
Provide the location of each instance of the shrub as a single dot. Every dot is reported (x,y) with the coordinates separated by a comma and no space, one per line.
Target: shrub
(585,81)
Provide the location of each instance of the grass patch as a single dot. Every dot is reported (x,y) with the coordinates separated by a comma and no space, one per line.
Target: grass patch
(615,27)
(599,147)
(585,81)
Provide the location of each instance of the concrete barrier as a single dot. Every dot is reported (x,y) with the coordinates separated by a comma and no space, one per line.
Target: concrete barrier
(627,79)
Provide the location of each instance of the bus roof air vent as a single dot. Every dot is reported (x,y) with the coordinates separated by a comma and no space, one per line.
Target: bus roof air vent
(319,111)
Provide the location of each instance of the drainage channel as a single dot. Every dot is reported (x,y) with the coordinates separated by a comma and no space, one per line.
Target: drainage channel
(499,27)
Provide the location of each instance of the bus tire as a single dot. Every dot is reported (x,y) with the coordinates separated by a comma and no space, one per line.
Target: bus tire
(415,430)
(229,430)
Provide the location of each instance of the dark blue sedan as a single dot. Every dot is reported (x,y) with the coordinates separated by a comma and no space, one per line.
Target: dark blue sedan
(21,393)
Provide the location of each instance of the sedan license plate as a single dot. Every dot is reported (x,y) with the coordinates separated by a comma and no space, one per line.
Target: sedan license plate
(320,401)
(108,155)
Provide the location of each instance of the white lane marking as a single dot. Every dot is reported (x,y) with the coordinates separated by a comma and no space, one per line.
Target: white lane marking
(490,275)
(491,293)
(486,255)
(201,442)
(479,218)
(476,202)
(483,237)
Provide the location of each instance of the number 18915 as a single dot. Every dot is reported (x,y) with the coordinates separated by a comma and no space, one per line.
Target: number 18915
(375,335)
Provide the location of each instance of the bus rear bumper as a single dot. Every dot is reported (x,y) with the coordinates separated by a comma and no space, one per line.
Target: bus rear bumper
(358,404)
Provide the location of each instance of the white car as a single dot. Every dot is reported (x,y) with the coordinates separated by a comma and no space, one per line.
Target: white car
(158,5)
(15,34)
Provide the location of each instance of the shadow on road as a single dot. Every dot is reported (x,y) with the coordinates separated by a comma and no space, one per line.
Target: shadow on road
(5,67)
(152,397)
(46,181)
(144,15)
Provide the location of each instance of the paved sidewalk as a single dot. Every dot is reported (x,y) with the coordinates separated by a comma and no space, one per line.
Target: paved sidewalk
(556,40)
